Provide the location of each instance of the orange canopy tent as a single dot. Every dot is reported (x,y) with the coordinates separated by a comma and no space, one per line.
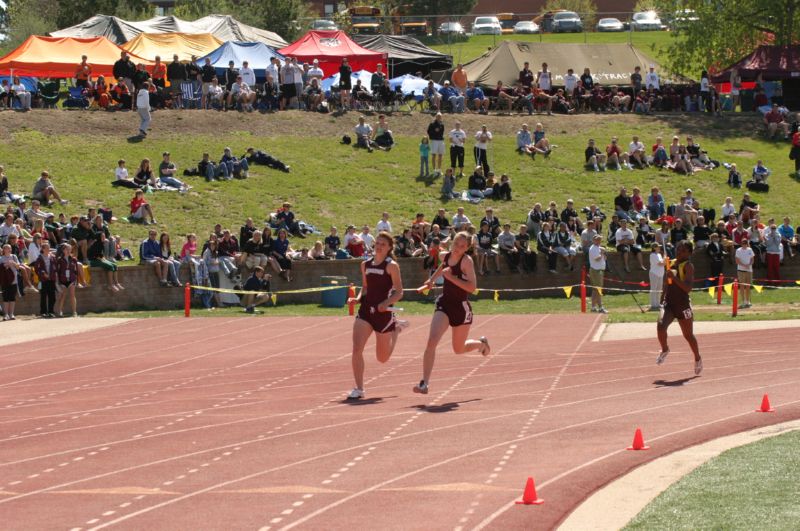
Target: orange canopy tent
(59,57)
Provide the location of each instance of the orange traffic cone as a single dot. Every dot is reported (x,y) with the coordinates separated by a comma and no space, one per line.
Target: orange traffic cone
(765,406)
(351,295)
(638,441)
(529,497)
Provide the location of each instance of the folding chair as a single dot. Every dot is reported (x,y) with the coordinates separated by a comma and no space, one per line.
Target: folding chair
(77,98)
(189,96)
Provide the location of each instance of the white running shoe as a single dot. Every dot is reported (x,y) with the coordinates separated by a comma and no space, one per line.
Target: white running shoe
(698,367)
(661,357)
(400,325)
(421,387)
(485,349)
(355,394)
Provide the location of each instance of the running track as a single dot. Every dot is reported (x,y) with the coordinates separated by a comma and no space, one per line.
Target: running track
(240,423)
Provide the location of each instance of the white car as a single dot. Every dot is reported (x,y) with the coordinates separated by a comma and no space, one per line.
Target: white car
(646,21)
(526,26)
(610,24)
(486,26)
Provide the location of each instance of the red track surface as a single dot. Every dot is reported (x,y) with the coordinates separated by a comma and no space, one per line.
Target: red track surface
(240,423)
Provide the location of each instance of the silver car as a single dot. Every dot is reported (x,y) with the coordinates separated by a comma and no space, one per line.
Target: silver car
(566,22)
(451,28)
(646,21)
(526,26)
(486,26)
(610,24)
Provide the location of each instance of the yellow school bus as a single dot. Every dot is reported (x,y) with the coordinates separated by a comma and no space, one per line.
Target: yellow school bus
(403,23)
(365,20)
(507,21)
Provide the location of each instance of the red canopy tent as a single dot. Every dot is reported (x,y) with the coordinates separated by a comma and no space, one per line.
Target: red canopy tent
(330,47)
(774,63)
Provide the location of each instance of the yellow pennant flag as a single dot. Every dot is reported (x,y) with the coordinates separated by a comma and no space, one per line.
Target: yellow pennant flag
(426,291)
(758,288)
(568,291)
(797,282)
(599,291)
(477,291)
(712,291)
(728,289)
(274,299)
(496,296)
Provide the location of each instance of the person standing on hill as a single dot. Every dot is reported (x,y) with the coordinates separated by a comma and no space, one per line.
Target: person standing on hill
(143,106)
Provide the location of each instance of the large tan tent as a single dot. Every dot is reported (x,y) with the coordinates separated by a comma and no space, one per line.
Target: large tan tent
(224,27)
(609,63)
(165,45)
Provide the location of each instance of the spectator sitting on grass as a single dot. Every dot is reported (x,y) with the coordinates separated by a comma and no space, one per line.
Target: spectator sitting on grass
(660,155)
(774,120)
(151,254)
(502,188)
(211,171)
(403,246)
(760,173)
(122,178)
(477,184)
(246,231)
(259,284)
(734,177)
(167,172)
(140,209)
(254,156)
(382,135)
(363,133)
(595,159)
(460,220)
(655,203)
(238,168)
(44,190)
(616,156)
(636,154)
(285,219)
(353,243)
(144,175)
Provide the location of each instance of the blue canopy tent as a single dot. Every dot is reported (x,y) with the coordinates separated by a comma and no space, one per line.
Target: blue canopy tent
(333,81)
(409,84)
(257,55)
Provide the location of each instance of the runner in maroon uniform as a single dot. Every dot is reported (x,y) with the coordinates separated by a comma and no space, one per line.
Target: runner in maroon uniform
(452,307)
(381,288)
(675,304)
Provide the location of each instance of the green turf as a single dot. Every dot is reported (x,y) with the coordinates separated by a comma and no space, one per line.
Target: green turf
(751,487)
(770,304)
(652,43)
(358,186)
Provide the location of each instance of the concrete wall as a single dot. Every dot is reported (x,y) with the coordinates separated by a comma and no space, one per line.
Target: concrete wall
(144,292)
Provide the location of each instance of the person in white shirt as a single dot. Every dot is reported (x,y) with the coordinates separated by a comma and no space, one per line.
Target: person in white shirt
(744,269)
(597,268)
(8,228)
(626,244)
(656,276)
(728,208)
(143,107)
(482,139)
(297,75)
(651,79)
(570,83)
(274,69)
(21,92)
(636,153)
(384,225)
(241,94)
(248,75)
(544,80)
(369,241)
(315,71)
(460,220)
(458,138)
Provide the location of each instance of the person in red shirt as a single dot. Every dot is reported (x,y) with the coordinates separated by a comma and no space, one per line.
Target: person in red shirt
(774,120)
(140,208)
(616,156)
(83,73)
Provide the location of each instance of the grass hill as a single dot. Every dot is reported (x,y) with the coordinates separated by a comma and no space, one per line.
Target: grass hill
(335,184)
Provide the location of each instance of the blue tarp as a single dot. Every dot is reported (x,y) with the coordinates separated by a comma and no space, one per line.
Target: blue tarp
(29,82)
(333,81)
(257,54)
(409,84)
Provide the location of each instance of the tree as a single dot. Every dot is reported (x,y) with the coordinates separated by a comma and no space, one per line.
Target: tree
(586,9)
(441,8)
(726,30)
(29,17)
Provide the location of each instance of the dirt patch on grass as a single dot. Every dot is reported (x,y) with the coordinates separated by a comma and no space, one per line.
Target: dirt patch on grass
(122,124)
(741,153)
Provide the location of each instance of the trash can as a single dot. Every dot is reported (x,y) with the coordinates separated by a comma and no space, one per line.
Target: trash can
(334,298)
(747,100)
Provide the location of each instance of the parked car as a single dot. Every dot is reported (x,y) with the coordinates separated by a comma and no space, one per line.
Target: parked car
(567,22)
(486,26)
(452,28)
(646,21)
(324,24)
(683,18)
(526,26)
(610,24)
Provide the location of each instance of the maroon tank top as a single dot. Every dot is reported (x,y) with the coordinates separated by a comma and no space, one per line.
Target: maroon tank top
(451,292)
(379,282)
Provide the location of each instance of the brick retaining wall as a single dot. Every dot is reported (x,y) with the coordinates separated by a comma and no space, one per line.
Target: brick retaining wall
(144,292)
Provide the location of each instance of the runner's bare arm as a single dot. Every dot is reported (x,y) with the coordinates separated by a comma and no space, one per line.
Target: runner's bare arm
(397,287)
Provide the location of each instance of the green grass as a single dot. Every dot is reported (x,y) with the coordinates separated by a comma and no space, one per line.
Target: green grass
(770,304)
(653,43)
(751,487)
(335,184)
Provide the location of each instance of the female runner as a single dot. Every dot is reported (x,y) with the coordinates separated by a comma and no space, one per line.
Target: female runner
(452,307)
(381,288)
